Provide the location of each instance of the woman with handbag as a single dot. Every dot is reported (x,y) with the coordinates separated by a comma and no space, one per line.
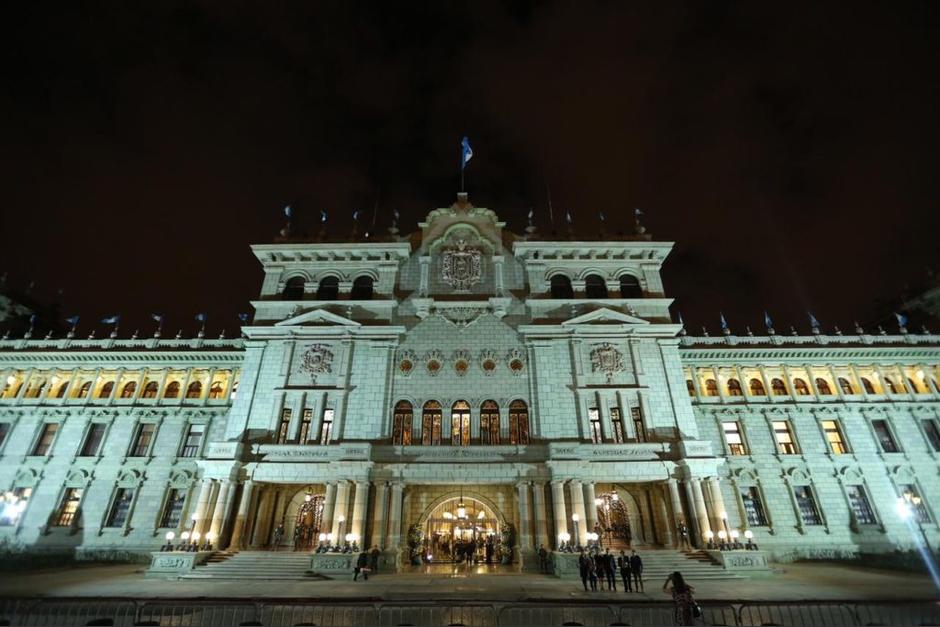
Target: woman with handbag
(687,610)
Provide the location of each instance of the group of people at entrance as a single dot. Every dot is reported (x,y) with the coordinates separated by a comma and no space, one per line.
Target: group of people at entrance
(603,567)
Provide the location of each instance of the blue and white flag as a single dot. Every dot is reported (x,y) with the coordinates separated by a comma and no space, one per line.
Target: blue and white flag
(356,215)
(32,320)
(902,319)
(395,214)
(681,321)
(601,216)
(767,321)
(111,319)
(813,322)
(200,317)
(158,318)
(243,317)
(322,216)
(466,153)
(724,323)
(73,321)
(289,212)
(568,216)
(531,214)
(637,212)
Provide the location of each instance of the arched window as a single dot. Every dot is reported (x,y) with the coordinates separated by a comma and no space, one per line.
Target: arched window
(779,387)
(711,387)
(846,386)
(690,387)
(84,390)
(823,386)
(734,388)
(869,388)
(172,390)
(915,389)
(401,423)
(757,388)
(561,287)
(518,423)
(150,390)
(431,423)
(294,288)
(595,286)
(106,389)
(128,390)
(489,423)
(60,393)
(460,423)
(630,287)
(328,288)
(194,389)
(889,384)
(362,288)
(800,386)
(216,390)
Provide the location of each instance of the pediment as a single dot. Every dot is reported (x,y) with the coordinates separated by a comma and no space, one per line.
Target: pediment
(317,318)
(604,316)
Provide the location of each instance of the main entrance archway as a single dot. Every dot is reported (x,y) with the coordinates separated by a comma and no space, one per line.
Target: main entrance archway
(459,529)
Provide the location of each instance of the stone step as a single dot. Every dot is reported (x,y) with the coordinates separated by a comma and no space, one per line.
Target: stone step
(255,565)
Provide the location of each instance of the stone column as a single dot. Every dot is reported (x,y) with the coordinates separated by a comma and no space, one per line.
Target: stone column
(590,508)
(202,504)
(577,506)
(719,515)
(359,511)
(242,516)
(673,488)
(329,502)
(394,516)
(701,512)
(378,515)
(525,524)
(668,526)
(339,512)
(220,510)
(538,503)
(558,507)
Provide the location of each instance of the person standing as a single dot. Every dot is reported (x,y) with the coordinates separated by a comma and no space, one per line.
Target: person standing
(636,565)
(684,534)
(686,608)
(543,559)
(374,558)
(600,567)
(278,535)
(592,574)
(584,568)
(362,566)
(610,570)
(624,563)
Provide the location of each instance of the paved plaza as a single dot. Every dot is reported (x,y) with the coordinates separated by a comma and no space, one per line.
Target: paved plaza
(791,582)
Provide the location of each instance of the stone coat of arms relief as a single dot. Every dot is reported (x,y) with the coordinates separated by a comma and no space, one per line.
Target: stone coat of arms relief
(605,358)
(316,360)
(462,266)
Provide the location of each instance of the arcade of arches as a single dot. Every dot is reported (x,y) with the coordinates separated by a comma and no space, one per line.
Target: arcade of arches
(381,513)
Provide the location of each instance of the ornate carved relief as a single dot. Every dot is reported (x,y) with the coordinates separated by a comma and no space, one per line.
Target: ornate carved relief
(461,362)
(317,360)
(607,359)
(434,361)
(515,359)
(488,361)
(461,266)
(406,362)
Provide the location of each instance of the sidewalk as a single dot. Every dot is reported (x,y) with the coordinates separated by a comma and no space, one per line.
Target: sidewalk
(794,582)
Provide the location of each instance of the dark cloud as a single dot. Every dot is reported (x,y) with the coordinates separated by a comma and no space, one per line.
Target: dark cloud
(789,150)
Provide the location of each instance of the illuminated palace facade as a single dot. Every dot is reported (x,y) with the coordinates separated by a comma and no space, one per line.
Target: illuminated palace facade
(541,382)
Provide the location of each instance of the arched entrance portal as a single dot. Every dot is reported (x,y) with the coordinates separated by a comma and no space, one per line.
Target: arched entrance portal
(303,519)
(458,529)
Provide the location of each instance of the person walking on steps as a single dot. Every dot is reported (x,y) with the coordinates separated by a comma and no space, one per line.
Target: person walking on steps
(687,610)
(543,559)
(636,565)
(623,562)
(362,566)
(278,536)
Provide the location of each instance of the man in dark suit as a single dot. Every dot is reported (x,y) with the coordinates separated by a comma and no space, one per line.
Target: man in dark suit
(636,565)
(624,563)
(610,570)
(584,568)
(600,567)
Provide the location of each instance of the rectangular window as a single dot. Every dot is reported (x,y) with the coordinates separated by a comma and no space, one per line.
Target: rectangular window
(13,508)
(46,437)
(917,504)
(834,437)
(193,440)
(595,421)
(733,438)
(68,508)
(860,504)
(638,427)
(305,419)
(173,510)
(93,439)
(4,430)
(806,503)
(884,436)
(930,430)
(142,439)
(784,436)
(120,508)
(753,506)
(326,429)
(283,427)
(616,422)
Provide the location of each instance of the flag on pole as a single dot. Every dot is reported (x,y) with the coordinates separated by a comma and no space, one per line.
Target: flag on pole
(531,214)
(902,319)
(568,216)
(111,319)
(322,216)
(356,215)
(243,317)
(637,212)
(289,212)
(32,320)
(724,323)
(681,321)
(158,318)
(767,321)
(813,322)
(601,216)
(73,321)
(200,317)
(466,153)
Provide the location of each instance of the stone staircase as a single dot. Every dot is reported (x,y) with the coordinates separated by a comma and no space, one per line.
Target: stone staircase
(256,565)
(694,566)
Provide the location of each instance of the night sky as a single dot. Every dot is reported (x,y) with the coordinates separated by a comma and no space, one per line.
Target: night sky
(791,150)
